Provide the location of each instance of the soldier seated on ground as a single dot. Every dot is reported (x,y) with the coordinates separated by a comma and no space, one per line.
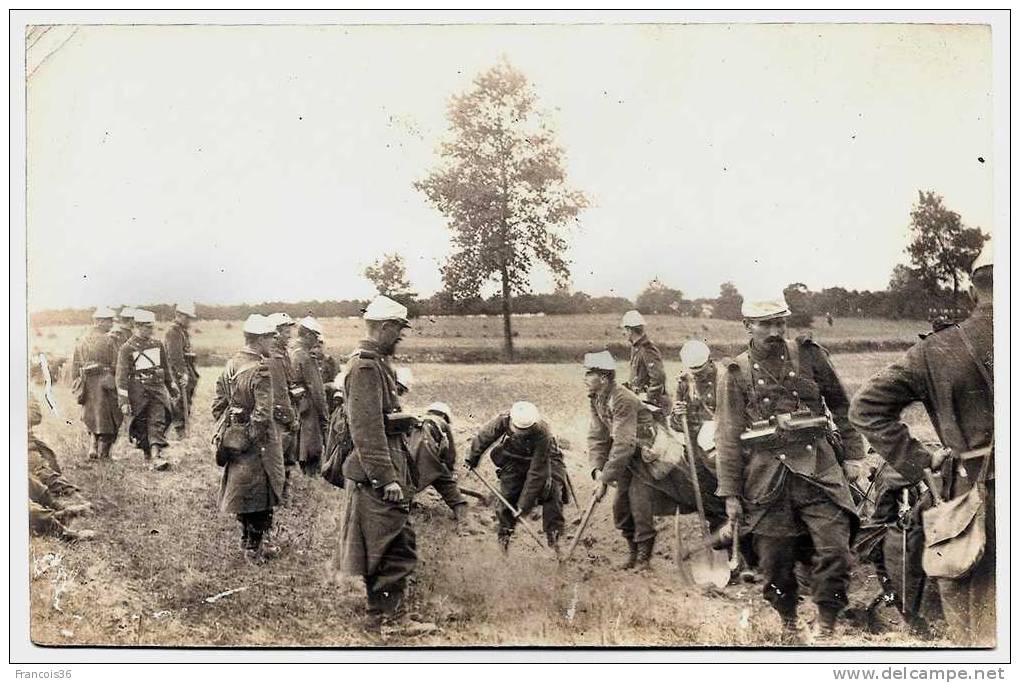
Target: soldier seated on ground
(529,467)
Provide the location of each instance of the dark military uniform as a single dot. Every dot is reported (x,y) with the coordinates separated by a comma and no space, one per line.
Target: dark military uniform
(648,374)
(435,457)
(311,408)
(287,423)
(796,487)
(252,482)
(530,471)
(93,365)
(698,389)
(620,425)
(144,383)
(377,541)
(182,364)
(119,335)
(940,373)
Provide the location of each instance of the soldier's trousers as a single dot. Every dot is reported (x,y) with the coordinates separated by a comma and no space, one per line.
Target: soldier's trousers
(178,405)
(511,485)
(829,529)
(634,503)
(149,425)
(254,526)
(968,604)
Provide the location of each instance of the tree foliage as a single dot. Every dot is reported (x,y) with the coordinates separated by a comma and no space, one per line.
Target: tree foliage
(799,299)
(502,187)
(727,306)
(659,298)
(389,275)
(941,248)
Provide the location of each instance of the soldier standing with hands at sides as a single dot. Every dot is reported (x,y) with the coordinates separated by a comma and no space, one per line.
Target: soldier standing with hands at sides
(252,481)
(287,423)
(93,365)
(776,458)
(950,372)
(620,425)
(377,541)
(647,373)
(145,386)
(182,362)
(530,469)
(312,411)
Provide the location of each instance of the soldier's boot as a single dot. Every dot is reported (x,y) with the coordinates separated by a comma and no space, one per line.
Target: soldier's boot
(503,537)
(71,511)
(553,537)
(105,444)
(146,454)
(790,634)
(94,447)
(643,560)
(631,557)
(826,623)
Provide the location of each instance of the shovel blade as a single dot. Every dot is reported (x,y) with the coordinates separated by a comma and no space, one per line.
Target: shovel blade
(710,568)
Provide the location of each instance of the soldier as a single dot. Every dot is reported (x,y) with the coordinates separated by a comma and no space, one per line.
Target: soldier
(376,538)
(145,387)
(93,365)
(621,426)
(950,373)
(775,458)
(124,326)
(312,411)
(47,513)
(529,467)
(437,470)
(182,363)
(647,373)
(696,397)
(287,423)
(253,474)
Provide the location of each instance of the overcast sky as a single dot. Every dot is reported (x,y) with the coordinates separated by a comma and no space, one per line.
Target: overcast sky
(245,164)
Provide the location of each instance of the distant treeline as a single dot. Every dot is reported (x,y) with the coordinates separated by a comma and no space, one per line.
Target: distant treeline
(896,304)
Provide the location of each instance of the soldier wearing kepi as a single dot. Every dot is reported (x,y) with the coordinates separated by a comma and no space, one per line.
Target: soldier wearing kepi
(376,538)
(312,411)
(123,327)
(145,386)
(437,464)
(647,373)
(247,439)
(93,366)
(530,469)
(696,395)
(950,373)
(776,457)
(621,424)
(182,363)
(287,423)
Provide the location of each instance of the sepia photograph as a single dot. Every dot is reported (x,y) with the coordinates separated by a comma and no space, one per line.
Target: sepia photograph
(596,333)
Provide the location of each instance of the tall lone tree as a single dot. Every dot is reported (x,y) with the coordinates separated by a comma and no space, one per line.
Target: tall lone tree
(389,275)
(941,248)
(502,187)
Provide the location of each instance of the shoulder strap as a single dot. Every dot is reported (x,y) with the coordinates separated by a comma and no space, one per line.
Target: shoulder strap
(743,362)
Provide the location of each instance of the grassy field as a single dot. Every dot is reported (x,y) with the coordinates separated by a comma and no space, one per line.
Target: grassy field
(164,549)
(539,339)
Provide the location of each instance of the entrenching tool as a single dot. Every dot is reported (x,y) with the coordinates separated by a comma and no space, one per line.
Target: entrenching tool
(516,513)
(681,552)
(584,525)
(709,566)
(904,527)
(573,493)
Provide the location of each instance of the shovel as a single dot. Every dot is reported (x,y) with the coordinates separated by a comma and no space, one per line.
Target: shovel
(708,565)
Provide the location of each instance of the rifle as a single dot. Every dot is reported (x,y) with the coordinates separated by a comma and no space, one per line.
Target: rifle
(185,408)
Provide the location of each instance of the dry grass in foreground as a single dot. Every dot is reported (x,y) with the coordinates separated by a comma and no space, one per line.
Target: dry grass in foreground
(164,551)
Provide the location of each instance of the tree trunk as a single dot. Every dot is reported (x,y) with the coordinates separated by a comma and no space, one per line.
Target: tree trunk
(508,337)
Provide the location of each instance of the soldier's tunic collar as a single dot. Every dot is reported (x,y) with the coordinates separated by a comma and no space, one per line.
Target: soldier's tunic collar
(765,353)
(643,340)
(369,344)
(248,350)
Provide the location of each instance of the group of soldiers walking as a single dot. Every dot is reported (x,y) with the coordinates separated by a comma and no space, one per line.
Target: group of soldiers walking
(774,441)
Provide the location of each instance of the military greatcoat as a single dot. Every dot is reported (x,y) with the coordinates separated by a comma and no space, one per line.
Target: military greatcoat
(94,363)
